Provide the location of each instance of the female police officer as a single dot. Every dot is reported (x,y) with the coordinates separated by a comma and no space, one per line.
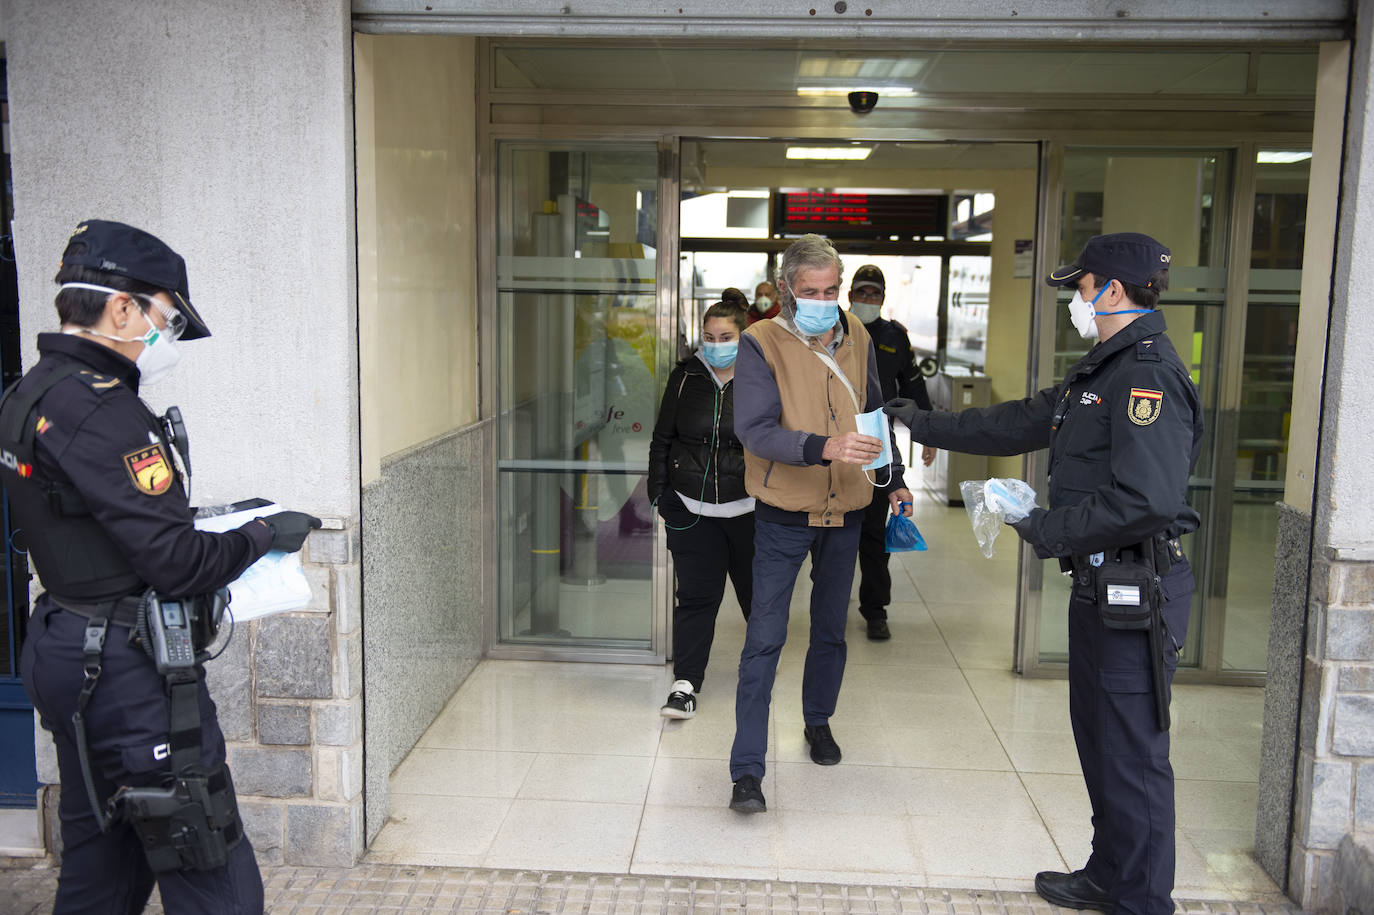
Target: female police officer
(1124,429)
(101,506)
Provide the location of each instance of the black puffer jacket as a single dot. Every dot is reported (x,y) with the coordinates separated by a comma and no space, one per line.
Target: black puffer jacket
(694,413)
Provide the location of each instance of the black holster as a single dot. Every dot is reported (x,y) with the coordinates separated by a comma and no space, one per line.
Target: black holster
(1130,597)
(190,824)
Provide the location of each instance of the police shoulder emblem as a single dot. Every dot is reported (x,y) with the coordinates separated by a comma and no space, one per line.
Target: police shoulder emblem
(1144,406)
(149,469)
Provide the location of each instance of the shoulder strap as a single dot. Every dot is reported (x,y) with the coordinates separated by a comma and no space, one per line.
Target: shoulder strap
(16,410)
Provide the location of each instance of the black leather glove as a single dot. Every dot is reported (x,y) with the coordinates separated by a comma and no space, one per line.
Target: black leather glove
(904,409)
(289,529)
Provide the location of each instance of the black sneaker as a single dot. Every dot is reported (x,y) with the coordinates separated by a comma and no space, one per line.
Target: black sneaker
(1072,891)
(682,702)
(747,796)
(878,631)
(824,750)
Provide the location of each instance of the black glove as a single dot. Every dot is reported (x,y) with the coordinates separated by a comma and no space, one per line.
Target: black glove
(904,409)
(289,529)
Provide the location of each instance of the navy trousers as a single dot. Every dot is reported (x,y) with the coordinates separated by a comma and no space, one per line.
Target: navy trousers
(779,550)
(1123,753)
(126,727)
(875,579)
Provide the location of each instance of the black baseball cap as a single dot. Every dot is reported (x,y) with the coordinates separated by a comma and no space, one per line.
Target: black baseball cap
(868,275)
(113,247)
(1128,257)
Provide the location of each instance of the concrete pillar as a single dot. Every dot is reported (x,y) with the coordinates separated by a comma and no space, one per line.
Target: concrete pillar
(226,129)
(1292,553)
(1334,790)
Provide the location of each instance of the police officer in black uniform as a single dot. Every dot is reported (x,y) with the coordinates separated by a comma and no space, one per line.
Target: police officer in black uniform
(99,497)
(1124,429)
(900,377)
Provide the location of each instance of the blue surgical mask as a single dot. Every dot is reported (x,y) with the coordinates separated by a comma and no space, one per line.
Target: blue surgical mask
(875,423)
(816,316)
(720,355)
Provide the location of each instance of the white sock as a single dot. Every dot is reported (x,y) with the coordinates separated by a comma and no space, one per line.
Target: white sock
(682,686)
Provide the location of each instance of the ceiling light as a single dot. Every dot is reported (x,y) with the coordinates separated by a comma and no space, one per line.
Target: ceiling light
(1276,157)
(826,91)
(829,152)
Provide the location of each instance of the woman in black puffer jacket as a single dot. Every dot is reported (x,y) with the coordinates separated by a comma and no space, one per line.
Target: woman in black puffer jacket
(696,477)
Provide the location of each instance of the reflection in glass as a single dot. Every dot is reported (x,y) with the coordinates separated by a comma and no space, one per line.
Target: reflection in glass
(1271,329)
(577,329)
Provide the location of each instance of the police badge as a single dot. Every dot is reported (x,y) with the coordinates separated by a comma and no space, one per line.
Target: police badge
(1144,406)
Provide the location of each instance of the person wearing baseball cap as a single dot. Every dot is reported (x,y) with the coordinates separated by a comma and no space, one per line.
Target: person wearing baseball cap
(900,377)
(99,485)
(1123,429)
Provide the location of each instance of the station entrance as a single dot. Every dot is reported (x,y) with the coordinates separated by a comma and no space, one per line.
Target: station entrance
(624,185)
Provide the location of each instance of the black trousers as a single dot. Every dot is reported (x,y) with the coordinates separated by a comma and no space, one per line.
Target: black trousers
(126,725)
(875,581)
(702,556)
(1124,754)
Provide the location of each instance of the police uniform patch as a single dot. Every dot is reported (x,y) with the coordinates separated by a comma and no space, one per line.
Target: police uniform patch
(1144,406)
(149,469)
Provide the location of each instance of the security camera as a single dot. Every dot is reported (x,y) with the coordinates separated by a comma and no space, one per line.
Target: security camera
(862,102)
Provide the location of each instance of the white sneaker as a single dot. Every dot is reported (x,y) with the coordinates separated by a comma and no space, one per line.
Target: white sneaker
(682,701)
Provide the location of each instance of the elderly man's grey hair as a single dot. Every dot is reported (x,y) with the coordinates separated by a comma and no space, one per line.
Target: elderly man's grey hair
(808,252)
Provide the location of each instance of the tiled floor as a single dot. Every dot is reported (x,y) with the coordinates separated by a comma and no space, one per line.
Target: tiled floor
(956,773)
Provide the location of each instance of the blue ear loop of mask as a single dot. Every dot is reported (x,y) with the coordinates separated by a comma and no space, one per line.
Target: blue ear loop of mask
(874,423)
(1129,311)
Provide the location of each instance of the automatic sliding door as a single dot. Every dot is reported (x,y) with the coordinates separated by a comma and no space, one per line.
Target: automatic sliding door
(578,339)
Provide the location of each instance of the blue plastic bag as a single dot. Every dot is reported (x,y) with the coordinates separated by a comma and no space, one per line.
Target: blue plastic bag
(902,535)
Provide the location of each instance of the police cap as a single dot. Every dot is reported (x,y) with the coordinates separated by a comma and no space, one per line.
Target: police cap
(113,247)
(1128,257)
(868,275)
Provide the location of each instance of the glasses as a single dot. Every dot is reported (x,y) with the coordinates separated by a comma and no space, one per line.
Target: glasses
(174,321)
(867,294)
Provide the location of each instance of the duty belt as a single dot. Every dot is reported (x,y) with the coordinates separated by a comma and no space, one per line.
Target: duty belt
(122,611)
(1165,548)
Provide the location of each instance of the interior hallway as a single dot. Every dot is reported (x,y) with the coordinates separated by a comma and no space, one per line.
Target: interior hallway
(956,772)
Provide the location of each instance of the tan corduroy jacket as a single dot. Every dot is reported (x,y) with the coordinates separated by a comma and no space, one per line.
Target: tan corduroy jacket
(814,401)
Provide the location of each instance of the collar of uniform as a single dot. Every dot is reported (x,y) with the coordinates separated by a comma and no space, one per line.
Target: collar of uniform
(99,357)
(1142,327)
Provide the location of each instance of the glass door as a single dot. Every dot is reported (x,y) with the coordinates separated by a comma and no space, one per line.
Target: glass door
(1182,198)
(579,339)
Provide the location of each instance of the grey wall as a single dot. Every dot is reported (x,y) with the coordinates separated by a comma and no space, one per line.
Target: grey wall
(225,128)
(1334,789)
(425,564)
(1283,692)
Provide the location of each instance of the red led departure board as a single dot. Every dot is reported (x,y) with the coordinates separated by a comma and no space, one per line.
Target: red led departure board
(847,214)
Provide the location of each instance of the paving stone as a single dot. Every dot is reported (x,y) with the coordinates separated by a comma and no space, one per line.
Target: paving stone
(286,725)
(348,597)
(1356,678)
(293,658)
(391,888)
(1349,635)
(1328,818)
(230,679)
(264,824)
(323,834)
(270,772)
(338,724)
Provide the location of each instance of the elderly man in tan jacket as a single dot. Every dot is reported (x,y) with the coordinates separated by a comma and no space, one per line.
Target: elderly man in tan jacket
(802,379)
